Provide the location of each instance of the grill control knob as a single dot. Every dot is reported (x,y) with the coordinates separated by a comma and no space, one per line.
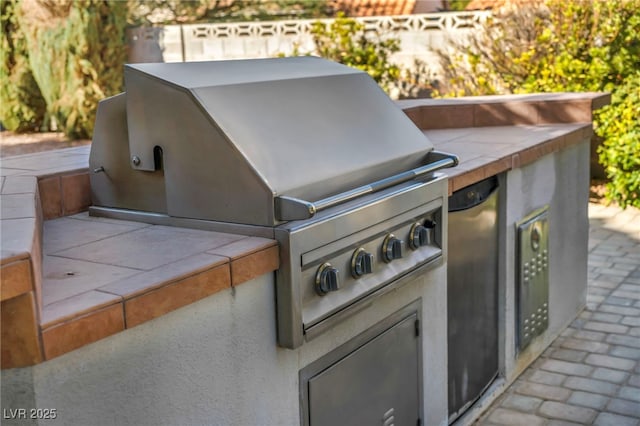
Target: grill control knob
(421,235)
(327,279)
(361,263)
(391,248)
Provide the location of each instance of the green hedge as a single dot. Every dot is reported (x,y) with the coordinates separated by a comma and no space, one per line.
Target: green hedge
(345,41)
(564,46)
(77,52)
(22,107)
(619,125)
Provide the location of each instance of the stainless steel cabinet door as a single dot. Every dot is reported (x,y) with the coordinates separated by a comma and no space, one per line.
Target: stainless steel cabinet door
(472,294)
(377,384)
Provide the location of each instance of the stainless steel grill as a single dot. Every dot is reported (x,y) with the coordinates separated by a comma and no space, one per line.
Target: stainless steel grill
(303,150)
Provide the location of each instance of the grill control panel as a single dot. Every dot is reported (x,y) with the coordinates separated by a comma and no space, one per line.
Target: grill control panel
(357,238)
(533,277)
(328,278)
(338,278)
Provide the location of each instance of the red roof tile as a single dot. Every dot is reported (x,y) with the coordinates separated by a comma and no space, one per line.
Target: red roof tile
(499,4)
(375,7)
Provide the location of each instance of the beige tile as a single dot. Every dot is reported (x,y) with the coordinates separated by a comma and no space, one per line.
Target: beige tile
(15,279)
(18,206)
(50,197)
(470,149)
(67,232)
(511,135)
(503,152)
(76,306)
(78,332)
(150,247)
(163,275)
(76,193)
(243,247)
(7,171)
(20,339)
(22,162)
(184,292)
(463,160)
(17,237)
(44,161)
(72,169)
(254,265)
(221,238)
(96,219)
(8,256)
(19,185)
(82,151)
(440,136)
(63,277)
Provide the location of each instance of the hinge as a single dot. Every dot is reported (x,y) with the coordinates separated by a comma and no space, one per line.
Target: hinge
(417,325)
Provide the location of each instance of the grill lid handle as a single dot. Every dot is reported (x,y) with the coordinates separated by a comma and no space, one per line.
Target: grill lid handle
(290,208)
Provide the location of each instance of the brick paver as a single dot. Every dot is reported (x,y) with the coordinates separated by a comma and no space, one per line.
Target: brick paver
(590,375)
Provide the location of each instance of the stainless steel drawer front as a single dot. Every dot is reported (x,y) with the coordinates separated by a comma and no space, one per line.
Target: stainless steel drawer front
(533,276)
(372,380)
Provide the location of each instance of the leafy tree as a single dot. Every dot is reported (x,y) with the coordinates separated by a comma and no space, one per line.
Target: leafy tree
(563,45)
(22,107)
(458,5)
(76,53)
(619,124)
(345,40)
(193,11)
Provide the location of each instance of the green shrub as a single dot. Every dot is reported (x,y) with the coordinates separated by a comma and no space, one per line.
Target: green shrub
(619,125)
(194,11)
(345,41)
(563,46)
(22,107)
(76,51)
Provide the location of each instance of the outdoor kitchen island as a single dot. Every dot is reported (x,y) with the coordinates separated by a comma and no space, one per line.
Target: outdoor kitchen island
(215,360)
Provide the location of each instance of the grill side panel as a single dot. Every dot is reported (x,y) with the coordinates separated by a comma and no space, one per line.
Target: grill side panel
(114,183)
(205,176)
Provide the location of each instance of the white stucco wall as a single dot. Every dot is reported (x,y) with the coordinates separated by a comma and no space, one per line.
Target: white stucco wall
(561,180)
(216,362)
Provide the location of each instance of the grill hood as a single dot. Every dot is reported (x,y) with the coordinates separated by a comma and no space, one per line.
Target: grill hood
(224,140)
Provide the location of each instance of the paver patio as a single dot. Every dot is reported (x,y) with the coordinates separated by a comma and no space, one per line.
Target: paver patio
(590,375)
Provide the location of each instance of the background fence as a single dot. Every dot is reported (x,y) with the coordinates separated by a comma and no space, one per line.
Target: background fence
(419,35)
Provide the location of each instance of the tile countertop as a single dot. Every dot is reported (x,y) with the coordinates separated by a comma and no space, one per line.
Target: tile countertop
(69,279)
(487,151)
